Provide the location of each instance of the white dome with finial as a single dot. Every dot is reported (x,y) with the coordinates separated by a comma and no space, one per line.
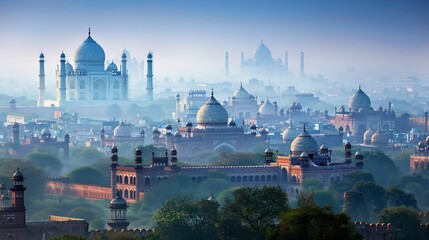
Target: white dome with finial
(89,55)
(212,114)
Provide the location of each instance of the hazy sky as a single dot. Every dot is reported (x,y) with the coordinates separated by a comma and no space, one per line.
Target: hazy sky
(190,38)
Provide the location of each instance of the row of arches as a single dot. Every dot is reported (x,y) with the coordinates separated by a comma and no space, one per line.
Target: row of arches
(256,178)
(97,85)
(128,193)
(126,179)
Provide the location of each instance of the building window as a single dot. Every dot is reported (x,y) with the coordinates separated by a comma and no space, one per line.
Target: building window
(82,84)
(116,85)
(126,179)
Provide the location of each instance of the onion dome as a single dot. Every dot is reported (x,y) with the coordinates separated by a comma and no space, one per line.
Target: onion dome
(348,144)
(241,94)
(69,67)
(89,55)
(359,100)
(62,55)
(173,151)
(118,203)
(149,55)
(45,132)
(290,133)
(122,130)
(268,150)
(263,132)
(262,55)
(2,187)
(421,144)
(303,155)
(177,96)
(323,148)
(267,109)
(367,136)
(12,101)
(304,142)
(379,138)
(427,139)
(358,154)
(112,67)
(156,131)
(253,126)
(211,198)
(17,176)
(189,124)
(232,123)
(124,55)
(177,135)
(212,114)
(168,127)
(41,55)
(342,109)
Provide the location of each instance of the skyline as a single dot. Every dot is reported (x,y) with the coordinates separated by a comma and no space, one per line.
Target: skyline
(189,38)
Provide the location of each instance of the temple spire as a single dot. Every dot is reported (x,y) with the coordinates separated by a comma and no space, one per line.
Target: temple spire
(212,92)
(89,32)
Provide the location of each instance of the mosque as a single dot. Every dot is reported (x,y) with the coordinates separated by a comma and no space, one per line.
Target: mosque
(361,116)
(88,80)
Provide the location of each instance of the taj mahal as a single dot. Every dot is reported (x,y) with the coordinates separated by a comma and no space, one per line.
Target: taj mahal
(89,80)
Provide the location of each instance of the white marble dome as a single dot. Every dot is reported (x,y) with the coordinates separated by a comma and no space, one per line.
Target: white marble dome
(359,101)
(304,142)
(266,109)
(122,130)
(212,114)
(241,94)
(89,54)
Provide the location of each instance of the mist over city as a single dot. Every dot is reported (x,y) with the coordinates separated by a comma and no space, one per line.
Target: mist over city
(214,119)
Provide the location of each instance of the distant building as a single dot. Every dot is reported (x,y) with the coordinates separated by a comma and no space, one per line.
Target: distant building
(13,224)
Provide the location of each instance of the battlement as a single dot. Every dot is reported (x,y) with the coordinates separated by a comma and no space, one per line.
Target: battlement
(96,234)
(374,231)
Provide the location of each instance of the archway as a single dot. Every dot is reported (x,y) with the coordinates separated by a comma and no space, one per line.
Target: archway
(99,92)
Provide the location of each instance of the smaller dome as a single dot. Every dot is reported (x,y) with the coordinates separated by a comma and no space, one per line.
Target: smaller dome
(421,144)
(379,138)
(2,186)
(303,155)
(263,131)
(177,96)
(168,127)
(149,55)
(112,67)
(427,139)
(266,109)
(323,147)
(17,176)
(45,132)
(268,150)
(69,67)
(189,124)
(241,94)
(12,100)
(253,127)
(232,123)
(118,202)
(304,142)
(173,151)
(102,130)
(15,125)
(122,130)
(367,135)
(62,55)
(212,198)
(177,135)
(142,132)
(156,131)
(348,144)
(358,154)
(290,133)
(41,55)
(124,55)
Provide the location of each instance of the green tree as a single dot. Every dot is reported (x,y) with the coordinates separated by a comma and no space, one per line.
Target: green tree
(312,184)
(397,197)
(375,196)
(51,164)
(69,236)
(356,206)
(184,218)
(88,175)
(405,221)
(382,167)
(256,207)
(312,222)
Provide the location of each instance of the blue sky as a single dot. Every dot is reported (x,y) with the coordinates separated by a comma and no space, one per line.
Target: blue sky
(190,38)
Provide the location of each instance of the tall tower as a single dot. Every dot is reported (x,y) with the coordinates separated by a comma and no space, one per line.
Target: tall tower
(286,64)
(242,65)
(15,134)
(177,106)
(41,80)
(18,198)
(118,217)
(124,77)
(302,65)
(113,165)
(149,85)
(226,66)
(62,86)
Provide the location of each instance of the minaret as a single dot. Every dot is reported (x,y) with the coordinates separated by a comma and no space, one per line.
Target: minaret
(41,80)
(149,84)
(173,154)
(302,64)
(268,153)
(177,106)
(286,64)
(348,153)
(113,171)
(103,137)
(118,213)
(18,198)
(62,87)
(124,77)
(242,65)
(226,66)
(15,134)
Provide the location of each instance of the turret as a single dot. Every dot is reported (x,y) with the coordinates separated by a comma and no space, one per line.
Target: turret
(103,137)
(113,171)
(189,126)
(124,77)
(268,154)
(118,213)
(226,66)
(15,133)
(41,80)
(17,191)
(359,158)
(302,65)
(138,158)
(62,86)
(149,84)
(173,154)
(253,129)
(276,109)
(348,153)
(177,105)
